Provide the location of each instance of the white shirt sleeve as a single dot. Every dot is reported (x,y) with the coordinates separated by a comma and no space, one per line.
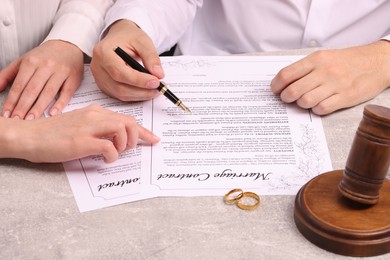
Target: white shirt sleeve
(159,19)
(79,22)
(221,27)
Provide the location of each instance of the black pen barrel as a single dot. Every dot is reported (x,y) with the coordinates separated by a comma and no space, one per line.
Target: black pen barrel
(167,93)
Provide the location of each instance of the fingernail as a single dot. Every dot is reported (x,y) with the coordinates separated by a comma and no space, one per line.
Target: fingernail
(6,114)
(158,70)
(153,83)
(16,117)
(53,111)
(30,117)
(156,138)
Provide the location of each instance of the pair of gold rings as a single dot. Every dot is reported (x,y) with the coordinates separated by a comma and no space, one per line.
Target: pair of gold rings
(238,197)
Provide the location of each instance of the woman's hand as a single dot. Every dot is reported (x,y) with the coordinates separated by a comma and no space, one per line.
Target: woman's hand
(92,130)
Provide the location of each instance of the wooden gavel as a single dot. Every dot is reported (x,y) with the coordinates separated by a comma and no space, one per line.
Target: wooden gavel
(369,157)
(347,211)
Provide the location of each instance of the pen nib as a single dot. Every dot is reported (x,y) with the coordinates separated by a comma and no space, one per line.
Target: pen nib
(182,106)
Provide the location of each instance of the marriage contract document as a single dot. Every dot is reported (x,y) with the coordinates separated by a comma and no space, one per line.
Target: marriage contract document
(239,135)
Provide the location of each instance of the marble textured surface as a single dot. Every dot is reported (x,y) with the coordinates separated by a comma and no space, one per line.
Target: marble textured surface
(40,219)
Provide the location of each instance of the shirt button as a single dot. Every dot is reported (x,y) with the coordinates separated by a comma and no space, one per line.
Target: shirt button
(7,21)
(312,43)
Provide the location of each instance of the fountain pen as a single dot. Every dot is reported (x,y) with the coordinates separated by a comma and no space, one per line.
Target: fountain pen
(162,88)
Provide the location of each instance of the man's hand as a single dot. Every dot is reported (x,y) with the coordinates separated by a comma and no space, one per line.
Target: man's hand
(117,79)
(329,80)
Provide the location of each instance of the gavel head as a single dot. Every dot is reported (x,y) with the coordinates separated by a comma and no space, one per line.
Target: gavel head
(369,158)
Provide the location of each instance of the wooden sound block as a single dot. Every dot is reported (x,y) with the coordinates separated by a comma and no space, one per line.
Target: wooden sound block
(340,225)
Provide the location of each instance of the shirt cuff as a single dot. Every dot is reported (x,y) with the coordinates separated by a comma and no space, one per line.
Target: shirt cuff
(78,28)
(134,14)
(387,38)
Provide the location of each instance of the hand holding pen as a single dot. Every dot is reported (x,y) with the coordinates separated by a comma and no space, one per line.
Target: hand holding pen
(162,88)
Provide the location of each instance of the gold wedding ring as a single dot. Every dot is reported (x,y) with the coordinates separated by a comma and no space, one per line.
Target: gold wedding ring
(248,206)
(233,196)
(244,200)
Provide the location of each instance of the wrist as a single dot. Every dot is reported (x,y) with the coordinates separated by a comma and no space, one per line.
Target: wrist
(16,140)
(121,26)
(8,138)
(384,47)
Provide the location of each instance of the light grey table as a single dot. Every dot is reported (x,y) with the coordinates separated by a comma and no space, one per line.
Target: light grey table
(40,219)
